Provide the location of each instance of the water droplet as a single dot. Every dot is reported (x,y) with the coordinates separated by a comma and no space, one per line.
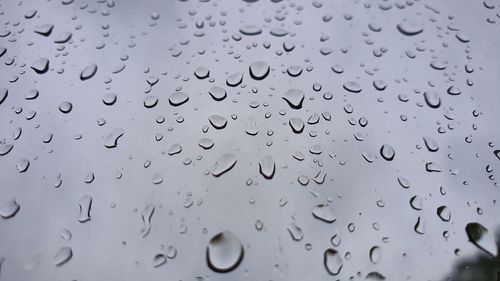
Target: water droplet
(217,121)
(223,164)
(217,93)
(22,165)
(250,29)
(206,143)
(352,86)
(375,254)
(387,152)
(481,237)
(295,231)
(88,72)
(294,98)
(324,212)
(150,101)
(65,107)
(202,72)
(409,28)
(235,79)
(432,99)
(40,65)
(444,213)
(259,70)
(85,205)
(267,167)
(431,144)
(147,214)
(63,255)
(159,260)
(9,210)
(224,252)
(296,124)
(111,140)
(177,98)
(419,226)
(333,261)
(5,148)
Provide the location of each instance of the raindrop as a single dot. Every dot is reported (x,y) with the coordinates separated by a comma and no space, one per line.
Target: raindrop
(85,206)
(223,164)
(235,79)
(352,86)
(333,261)
(387,152)
(147,214)
(150,101)
(481,237)
(296,124)
(259,70)
(432,99)
(295,231)
(324,212)
(217,121)
(217,93)
(88,72)
(409,28)
(267,167)
(9,210)
(112,139)
(375,254)
(63,255)
(22,165)
(294,98)
(178,98)
(224,252)
(431,144)
(40,65)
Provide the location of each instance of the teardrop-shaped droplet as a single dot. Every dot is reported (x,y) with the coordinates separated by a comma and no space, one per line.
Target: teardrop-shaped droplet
(267,167)
(88,72)
(259,70)
(178,98)
(224,164)
(417,203)
(9,209)
(85,204)
(454,91)
(432,99)
(431,144)
(333,261)
(294,98)
(481,237)
(224,252)
(324,212)
(387,152)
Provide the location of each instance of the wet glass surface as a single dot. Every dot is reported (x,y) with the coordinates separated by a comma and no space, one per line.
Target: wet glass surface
(249,140)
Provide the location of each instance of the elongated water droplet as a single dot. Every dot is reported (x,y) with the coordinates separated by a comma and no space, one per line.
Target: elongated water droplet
(324,212)
(147,214)
(409,28)
(88,72)
(296,124)
(85,204)
(159,260)
(267,167)
(432,99)
(352,86)
(375,254)
(22,165)
(112,139)
(235,79)
(4,93)
(419,226)
(63,255)
(295,231)
(333,261)
(5,149)
(206,143)
(40,65)
(224,164)
(431,144)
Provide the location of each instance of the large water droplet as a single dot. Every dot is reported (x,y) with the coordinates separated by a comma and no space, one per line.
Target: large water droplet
(481,237)
(294,98)
(333,261)
(409,28)
(324,212)
(259,70)
(63,255)
(267,167)
(112,139)
(224,252)
(88,71)
(387,152)
(431,144)
(217,93)
(296,124)
(224,164)
(40,65)
(217,121)
(85,204)
(9,210)
(178,98)
(432,99)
